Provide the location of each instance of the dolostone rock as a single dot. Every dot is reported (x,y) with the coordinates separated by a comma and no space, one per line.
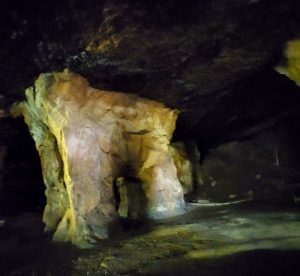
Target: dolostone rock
(87,139)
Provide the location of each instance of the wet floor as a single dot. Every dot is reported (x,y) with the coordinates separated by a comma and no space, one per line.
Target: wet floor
(244,239)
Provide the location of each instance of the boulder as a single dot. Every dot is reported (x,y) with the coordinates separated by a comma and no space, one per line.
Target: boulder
(87,138)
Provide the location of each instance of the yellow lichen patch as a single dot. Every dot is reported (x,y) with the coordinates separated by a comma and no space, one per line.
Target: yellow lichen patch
(292,67)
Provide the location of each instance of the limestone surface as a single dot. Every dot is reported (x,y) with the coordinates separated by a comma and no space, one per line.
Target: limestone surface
(87,139)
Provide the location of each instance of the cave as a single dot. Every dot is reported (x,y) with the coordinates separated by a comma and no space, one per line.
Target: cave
(150,137)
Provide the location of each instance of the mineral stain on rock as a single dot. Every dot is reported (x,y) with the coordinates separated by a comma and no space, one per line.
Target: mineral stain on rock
(291,68)
(86,139)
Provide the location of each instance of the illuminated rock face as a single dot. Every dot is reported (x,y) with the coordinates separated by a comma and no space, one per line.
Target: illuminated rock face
(86,139)
(292,67)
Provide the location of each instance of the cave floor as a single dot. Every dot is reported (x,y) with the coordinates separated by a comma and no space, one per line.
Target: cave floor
(246,239)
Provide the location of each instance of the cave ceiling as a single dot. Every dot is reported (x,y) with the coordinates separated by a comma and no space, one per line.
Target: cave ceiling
(212,60)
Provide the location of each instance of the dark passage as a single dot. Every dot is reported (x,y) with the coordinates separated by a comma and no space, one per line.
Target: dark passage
(22,182)
(24,245)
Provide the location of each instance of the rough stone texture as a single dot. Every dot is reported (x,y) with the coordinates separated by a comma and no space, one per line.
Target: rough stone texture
(86,139)
(133,201)
(184,167)
(212,60)
(186,158)
(187,161)
(37,37)
(261,167)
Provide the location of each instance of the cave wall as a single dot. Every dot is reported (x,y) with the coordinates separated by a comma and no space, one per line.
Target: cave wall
(262,168)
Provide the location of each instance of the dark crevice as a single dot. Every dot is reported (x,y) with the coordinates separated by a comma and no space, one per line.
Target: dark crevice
(22,182)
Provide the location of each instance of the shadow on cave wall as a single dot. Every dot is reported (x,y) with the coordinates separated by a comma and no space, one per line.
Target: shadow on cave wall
(22,182)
